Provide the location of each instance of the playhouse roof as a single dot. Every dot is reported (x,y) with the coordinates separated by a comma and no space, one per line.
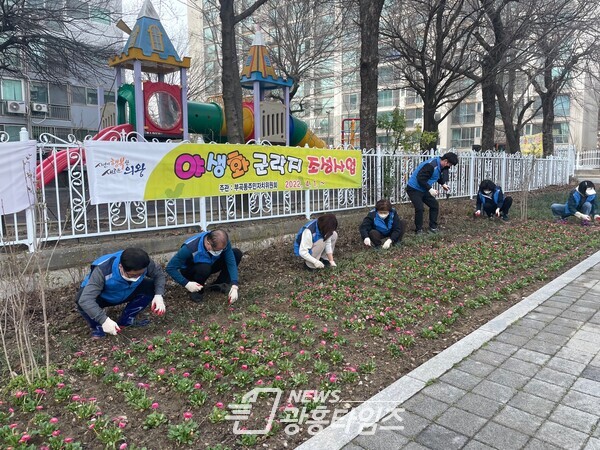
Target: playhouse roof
(258,67)
(150,44)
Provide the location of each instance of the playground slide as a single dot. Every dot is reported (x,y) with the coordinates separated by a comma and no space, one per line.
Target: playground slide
(47,170)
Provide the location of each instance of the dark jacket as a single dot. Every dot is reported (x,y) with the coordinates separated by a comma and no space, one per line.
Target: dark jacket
(427,173)
(496,198)
(390,227)
(576,201)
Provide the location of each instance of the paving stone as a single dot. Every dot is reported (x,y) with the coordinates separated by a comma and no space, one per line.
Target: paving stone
(591,373)
(494,391)
(587,334)
(535,324)
(572,418)
(461,379)
(583,346)
(560,435)
(352,446)
(425,406)
(547,309)
(488,357)
(562,299)
(435,437)
(444,392)
(536,444)
(587,387)
(532,404)
(508,378)
(566,366)
(555,304)
(545,390)
(585,311)
(519,366)
(512,339)
(381,440)
(414,446)
(593,444)
(595,318)
(501,347)
(553,338)
(476,368)
(541,316)
(540,346)
(560,330)
(581,401)
(575,315)
(531,356)
(476,445)
(567,323)
(411,423)
(574,354)
(597,431)
(479,405)
(523,331)
(461,421)
(518,420)
(501,437)
(555,377)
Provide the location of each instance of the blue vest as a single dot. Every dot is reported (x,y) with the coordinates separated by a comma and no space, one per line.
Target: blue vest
(580,200)
(195,245)
(380,224)
(316,235)
(116,288)
(495,196)
(437,172)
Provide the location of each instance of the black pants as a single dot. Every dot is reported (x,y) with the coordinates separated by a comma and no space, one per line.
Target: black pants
(201,271)
(419,199)
(490,207)
(378,238)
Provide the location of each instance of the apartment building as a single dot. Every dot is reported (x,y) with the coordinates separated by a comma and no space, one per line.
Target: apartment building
(64,106)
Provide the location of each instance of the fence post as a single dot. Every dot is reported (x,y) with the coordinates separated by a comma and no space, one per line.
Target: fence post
(472,176)
(379,172)
(307,203)
(551,173)
(30,211)
(503,171)
(203,219)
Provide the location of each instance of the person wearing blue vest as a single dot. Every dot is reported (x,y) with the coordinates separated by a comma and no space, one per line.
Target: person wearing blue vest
(127,276)
(202,255)
(581,204)
(492,201)
(420,188)
(315,238)
(382,226)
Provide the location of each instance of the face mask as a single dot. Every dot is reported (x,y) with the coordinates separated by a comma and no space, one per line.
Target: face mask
(383,215)
(133,280)
(215,252)
(487,192)
(590,191)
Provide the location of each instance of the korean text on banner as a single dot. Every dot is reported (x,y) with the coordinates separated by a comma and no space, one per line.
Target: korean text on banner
(126,171)
(17,176)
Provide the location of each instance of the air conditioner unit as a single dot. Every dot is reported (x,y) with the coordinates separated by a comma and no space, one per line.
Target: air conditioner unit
(39,107)
(17,107)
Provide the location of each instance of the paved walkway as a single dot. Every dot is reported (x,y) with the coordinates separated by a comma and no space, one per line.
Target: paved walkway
(529,379)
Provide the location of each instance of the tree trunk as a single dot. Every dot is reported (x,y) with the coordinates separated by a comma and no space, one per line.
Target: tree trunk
(230,77)
(510,130)
(488,95)
(548,122)
(369,15)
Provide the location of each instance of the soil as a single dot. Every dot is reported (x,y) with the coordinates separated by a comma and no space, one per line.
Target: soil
(262,274)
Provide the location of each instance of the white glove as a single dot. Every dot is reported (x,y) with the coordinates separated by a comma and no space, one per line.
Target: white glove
(110,326)
(582,216)
(332,264)
(319,265)
(158,305)
(233,294)
(497,212)
(192,286)
(367,242)
(478,213)
(446,187)
(433,192)
(597,217)
(387,244)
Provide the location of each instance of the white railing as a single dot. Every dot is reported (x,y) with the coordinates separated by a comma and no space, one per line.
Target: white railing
(63,210)
(588,159)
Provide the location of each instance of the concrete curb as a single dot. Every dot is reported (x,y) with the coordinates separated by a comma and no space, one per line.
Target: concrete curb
(340,433)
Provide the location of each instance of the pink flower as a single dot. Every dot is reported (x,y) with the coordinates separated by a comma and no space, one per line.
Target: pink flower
(122,424)
(123,446)
(56,433)
(270,363)
(260,382)
(197,386)
(154,405)
(20,394)
(24,438)
(323,342)
(160,371)
(68,440)
(278,377)
(76,398)
(244,367)
(60,372)
(60,385)
(39,407)
(12,426)
(324,329)
(169,332)
(332,378)
(187,415)
(219,405)
(185,375)
(54,420)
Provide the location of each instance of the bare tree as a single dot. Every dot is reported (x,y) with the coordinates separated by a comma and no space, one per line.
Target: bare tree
(51,39)
(368,21)
(432,42)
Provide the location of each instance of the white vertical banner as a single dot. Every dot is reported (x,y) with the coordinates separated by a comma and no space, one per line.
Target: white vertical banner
(17,176)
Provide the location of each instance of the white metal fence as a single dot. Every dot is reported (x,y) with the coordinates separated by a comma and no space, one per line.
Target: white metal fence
(63,210)
(588,159)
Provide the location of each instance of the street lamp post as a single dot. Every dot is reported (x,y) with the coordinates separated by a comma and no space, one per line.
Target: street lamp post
(328,112)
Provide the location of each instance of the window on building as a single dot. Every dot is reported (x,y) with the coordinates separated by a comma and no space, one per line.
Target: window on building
(464,137)
(464,113)
(39,92)
(78,95)
(100,15)
(352,101)
(91,96)
(386,74)
(350,79)
(324,86)
(413,117)
(560,133)
(532,128)
(58,94)
(13,132)
(562,106)
(385,98)
(109,96)
(12,90)
(77,9)
(156,38)
(412,97)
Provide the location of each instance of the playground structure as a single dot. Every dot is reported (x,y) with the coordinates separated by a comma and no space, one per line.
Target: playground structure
(159,110)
